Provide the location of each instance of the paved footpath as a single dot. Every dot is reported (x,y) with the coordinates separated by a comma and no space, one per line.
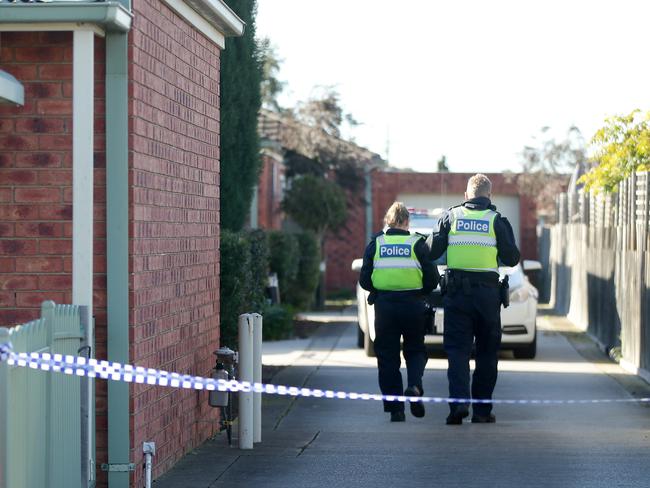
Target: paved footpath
(341,443)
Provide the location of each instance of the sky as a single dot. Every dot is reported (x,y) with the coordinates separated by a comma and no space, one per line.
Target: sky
(473,80)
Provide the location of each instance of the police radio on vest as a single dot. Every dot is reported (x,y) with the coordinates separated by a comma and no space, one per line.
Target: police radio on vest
(471,225)
(395,251)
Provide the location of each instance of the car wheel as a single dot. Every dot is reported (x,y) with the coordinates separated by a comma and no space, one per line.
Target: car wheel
(360,337)
(368,346)
(527,352)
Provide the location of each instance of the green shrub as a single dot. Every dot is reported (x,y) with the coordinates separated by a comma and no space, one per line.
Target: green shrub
(259,270)
(235,283)
(278,322)
(301,291)
(284,259)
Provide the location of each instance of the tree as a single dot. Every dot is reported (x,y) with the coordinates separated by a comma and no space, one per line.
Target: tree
(442,165)
(316,204)
(547,166)
(271,86)
(316,143)
(620,147)
(240,103)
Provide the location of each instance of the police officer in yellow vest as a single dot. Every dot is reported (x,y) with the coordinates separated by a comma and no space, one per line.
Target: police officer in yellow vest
(477,239)
(398,274)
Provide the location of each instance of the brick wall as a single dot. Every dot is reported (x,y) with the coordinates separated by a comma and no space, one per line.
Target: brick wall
(174,139)
(36,187)
(269,191)
(350,244)
(345,245)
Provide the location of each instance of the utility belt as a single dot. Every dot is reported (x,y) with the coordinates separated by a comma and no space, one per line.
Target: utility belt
(457,280)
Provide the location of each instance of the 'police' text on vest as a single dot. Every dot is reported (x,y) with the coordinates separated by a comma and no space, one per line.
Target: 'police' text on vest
(472,225)
(395,251)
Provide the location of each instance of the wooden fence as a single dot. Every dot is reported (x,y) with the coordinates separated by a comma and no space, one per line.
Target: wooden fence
(599,262)
(40,412)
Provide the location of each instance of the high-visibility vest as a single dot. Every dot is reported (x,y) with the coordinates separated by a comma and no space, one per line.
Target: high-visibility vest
(472,243)
(395,265)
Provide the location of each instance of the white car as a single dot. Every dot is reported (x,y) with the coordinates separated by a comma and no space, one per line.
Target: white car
(518,321)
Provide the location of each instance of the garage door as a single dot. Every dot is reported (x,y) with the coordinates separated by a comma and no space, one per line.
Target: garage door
(507,205)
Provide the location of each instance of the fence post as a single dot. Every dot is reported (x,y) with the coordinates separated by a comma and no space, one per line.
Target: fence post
(246,374)
(257,376)
(4,413)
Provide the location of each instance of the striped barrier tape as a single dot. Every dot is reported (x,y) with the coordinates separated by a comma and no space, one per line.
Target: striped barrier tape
(92,368)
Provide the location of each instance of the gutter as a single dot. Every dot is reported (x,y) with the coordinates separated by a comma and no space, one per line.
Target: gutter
(112,16)
(220,15)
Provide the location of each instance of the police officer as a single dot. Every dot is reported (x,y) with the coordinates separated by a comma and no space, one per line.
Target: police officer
(477,239)
(398,274)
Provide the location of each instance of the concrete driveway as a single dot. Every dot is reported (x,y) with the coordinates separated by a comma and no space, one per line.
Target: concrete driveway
(339,443)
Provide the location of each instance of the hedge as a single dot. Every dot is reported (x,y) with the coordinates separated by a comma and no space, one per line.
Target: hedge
(246,258)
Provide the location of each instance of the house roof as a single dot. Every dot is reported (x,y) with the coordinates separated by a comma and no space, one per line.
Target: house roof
(283,129)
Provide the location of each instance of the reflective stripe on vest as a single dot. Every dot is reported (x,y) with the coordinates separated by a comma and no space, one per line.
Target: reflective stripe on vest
(395,265)
(472,243)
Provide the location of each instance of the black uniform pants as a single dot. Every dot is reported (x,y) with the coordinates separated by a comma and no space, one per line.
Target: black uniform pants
(472,314)
(395,317)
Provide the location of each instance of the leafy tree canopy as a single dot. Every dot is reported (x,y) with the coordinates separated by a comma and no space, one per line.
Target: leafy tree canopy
(271,86)
(546,166)
(620,147)
(316,204)
(317,145)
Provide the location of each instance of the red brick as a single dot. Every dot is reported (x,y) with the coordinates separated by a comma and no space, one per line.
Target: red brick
(62,38)
(18,212)
(22,72)
(6,160)
(38,54)
(37,195)
(55,142)
(60,178)
(6,125)
(55,212)
(7,299)
(12,282)
(67,264)
(17,177)
(57,246)
(38,160)
(40,125)
(7,229)
(55,282)
(39,229)
(39,265)
(18,247)
(18,38)
(55,72)
(43,90)
(7,265)
(6,54)
(14,317)
(54,107)
(18,143)
(36,298)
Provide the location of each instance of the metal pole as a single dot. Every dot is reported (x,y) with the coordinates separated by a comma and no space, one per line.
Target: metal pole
(246,374)
(149,451)
(257,376)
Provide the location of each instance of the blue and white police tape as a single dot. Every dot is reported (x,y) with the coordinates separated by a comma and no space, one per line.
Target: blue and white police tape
(92,368)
